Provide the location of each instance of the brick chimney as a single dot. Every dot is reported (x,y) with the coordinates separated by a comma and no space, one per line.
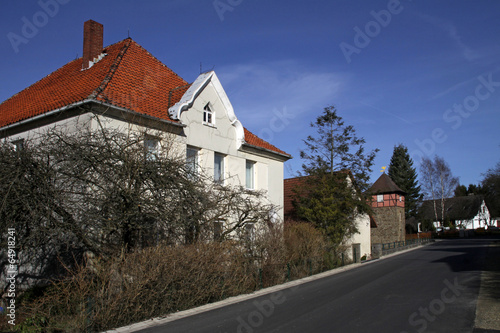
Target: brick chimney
(92,42)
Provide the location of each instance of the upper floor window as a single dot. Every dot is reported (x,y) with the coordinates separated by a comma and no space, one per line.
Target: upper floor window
(250,175)
(192,160)
(18,144)
(208,115)
(380,198)
(219,168)
(151,144)
(250,232)
(218,230)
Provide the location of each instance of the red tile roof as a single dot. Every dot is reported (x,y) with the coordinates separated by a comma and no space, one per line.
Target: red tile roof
(128,76)
(290,185)
(254,140)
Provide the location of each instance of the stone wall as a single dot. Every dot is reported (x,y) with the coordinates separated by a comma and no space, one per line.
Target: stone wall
(390,225)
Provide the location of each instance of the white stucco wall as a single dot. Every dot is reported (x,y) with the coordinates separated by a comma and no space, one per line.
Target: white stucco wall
(222,138)
(69,125)
(363,237)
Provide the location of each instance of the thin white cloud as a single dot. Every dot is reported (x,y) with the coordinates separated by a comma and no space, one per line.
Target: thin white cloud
(386,112)
(452,88)
(257,90)
(453,34)
(464,83)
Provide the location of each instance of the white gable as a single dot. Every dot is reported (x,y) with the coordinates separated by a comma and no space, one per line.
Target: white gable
(188,99)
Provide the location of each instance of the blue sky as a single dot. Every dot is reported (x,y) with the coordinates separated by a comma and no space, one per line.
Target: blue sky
(422,73)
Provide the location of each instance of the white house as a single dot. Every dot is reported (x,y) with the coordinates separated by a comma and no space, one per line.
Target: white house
(468,212)
(124,86)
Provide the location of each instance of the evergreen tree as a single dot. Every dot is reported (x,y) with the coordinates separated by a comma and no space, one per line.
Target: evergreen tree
(330,197)
(331,204)
(460,191)
(336,147)
(404,175)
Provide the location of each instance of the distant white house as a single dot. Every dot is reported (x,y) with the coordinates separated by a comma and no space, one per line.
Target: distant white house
(468,212)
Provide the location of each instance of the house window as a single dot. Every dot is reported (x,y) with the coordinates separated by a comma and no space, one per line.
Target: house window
(151,144)
(273,216)
(219,168)
(380,198)
(250,175)
(250,232)
(192,160)
(208,115)
(218,229)
(18,144)
(400,198)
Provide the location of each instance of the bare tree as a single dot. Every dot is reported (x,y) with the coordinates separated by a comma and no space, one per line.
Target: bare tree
(428,174)
(438,182)
(447,182)
(107,190)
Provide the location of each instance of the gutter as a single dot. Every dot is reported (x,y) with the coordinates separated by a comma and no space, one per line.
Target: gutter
(170,122)
(46,114)
(88,100)
(267,150)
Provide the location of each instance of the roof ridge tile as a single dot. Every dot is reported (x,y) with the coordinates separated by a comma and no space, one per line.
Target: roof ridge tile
(112,70)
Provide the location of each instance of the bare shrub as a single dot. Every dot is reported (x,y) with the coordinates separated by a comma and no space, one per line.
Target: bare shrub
(106,293)
(269,249)
(308,251)
(144,284)
(304,241)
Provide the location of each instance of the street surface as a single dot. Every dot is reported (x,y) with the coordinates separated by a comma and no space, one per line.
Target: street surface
(431,289)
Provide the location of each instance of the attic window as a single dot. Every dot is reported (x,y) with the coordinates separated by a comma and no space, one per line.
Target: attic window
(208,115)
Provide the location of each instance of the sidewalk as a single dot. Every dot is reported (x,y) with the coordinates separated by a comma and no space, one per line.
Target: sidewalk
(488,301)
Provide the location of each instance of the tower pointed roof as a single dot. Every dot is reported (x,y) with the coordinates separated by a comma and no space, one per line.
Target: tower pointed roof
(384,184)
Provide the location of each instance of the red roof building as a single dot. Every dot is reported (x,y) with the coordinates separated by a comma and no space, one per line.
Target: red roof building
(364,222)
(125,83)
(385,193)
(122,75)
(388,203)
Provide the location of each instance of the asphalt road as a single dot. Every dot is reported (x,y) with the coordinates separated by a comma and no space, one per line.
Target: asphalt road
(430,289)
